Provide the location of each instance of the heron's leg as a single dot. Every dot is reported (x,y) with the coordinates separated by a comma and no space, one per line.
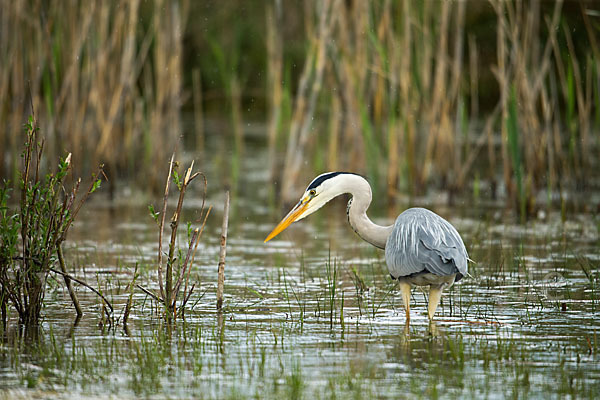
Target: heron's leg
(433,329)
(405,289)
(435,295)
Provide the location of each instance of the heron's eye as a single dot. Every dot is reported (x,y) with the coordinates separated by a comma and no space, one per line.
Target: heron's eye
(312,192)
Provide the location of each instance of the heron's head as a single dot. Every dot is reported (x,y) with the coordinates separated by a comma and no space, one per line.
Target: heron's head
(322,189)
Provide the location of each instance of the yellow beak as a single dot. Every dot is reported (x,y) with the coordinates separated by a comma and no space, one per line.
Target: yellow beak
(291,217)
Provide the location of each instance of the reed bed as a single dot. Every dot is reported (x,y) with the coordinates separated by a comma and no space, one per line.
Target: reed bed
(494,98)
(392,90)
(105,80)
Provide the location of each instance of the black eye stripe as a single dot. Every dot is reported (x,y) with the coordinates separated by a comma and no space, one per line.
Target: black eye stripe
(320,179)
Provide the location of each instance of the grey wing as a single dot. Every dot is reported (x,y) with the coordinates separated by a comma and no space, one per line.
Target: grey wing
(422,241)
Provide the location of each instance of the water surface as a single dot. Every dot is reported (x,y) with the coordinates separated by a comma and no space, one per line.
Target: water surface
(314,314)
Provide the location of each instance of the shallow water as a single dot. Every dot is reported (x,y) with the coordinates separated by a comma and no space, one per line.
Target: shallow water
(313,313)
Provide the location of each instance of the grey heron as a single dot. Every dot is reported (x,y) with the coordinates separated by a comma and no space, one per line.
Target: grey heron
(421,248)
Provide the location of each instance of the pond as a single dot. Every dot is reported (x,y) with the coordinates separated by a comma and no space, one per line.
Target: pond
(313,313)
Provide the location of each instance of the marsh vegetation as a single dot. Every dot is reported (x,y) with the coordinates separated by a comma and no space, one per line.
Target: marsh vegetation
(310,318)
(487,112)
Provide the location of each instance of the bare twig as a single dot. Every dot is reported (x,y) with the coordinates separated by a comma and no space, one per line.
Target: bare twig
(198,113)
(187,278)
(95,176)
(149,293)
(205,188)
(170,294)
(61,261)
(186,265)
(223,253)
(186,299)
(130,298)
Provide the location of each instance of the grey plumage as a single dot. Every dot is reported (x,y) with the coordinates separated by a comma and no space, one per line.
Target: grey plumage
(422,241)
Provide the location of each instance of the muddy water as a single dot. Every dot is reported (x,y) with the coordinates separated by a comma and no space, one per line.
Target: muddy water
(313,314)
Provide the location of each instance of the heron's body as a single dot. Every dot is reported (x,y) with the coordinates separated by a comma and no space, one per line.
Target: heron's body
(421,248)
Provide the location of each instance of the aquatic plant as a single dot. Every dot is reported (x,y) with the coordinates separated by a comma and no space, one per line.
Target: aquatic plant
(33,234)
(175,275)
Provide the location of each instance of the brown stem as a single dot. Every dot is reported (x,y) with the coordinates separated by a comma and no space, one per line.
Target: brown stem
(71,277)
(222,254)
(74,299)
(187,278)
(186,264)
(130,298)
(95,176)
(169,290)
(162,227)
(149,293)
(187,297)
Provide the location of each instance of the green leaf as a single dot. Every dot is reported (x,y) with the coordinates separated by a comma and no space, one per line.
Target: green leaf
(96,185)
(153,213)
(177,178)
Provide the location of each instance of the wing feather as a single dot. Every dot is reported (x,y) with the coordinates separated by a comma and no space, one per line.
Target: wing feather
(422,241)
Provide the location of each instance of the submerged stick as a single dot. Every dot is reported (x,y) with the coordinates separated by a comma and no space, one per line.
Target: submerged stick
(222,254)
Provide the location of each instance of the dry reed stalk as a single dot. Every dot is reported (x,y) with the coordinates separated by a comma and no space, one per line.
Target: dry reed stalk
(501,76)
(393,166)
(198,109)
(236,115)
(583,107)
(304,107)
(485,139)
(222,254)
(435,114)
(389,97)
(473,77)
(406,99)
(334,134)
(274,83)
(350,67)
(547,107)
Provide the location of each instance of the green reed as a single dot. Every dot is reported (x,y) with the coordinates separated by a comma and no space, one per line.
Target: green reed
(512,129)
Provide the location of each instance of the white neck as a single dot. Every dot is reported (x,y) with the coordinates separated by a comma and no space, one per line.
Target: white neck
(360,190)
